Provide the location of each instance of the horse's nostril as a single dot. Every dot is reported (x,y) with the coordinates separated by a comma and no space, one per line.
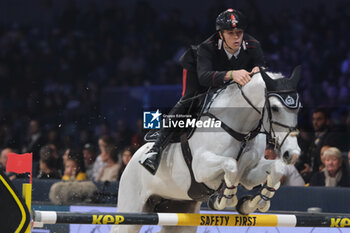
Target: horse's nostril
(286,156)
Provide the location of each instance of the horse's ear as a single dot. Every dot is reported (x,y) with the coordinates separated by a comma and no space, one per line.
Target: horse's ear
(295,77)
(268,81)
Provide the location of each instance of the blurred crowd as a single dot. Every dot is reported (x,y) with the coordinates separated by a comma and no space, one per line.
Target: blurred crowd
(50,103)
(106,162)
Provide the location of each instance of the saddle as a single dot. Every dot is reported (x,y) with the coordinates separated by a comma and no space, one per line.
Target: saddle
(197,191)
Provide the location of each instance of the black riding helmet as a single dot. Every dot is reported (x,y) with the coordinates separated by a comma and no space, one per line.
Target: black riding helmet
(230,19)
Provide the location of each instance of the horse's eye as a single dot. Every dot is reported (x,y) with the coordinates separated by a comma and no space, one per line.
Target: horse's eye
(274,108)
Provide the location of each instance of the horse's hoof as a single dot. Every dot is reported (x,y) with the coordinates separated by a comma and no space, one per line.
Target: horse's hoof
(211,201)
(240,205)
(232,202)
(264,207)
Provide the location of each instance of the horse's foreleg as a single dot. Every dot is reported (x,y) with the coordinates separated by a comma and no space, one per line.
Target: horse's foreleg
(227,196)
(207,167)
(224,196)
(261,200)
(272,184)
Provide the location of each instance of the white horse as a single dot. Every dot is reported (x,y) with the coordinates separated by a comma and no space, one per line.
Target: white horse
(268,100)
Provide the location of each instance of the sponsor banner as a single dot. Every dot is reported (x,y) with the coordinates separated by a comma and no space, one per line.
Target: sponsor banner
(211,222)
(227,219)
(340,222)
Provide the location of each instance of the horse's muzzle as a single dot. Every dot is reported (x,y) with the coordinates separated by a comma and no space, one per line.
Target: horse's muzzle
(290,157)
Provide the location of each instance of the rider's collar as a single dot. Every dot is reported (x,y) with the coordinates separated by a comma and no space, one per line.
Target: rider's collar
(289,99)
(229,55)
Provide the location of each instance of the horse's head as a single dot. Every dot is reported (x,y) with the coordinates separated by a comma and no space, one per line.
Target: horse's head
(280,114)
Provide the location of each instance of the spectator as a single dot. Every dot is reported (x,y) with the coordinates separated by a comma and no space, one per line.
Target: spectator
(334,174)
(291,175)
(53,138)
(65,156)
(103,142)
(48,164)
(270,153)
(34,141)
(3,161)
(323,149)
(310,161)
(3,158)
(109,172)
(74,166)
(89,154)
(59,165)
(126,157)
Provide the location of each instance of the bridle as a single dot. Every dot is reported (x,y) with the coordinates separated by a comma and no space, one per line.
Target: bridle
(271,137)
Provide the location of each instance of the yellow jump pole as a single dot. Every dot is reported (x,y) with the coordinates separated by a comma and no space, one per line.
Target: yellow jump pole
(27,196)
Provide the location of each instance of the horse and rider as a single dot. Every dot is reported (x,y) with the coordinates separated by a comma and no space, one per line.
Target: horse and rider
(229,54)
(252,111)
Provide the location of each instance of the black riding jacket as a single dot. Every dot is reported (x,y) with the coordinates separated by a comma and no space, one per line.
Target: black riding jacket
(205,65)
(213,63)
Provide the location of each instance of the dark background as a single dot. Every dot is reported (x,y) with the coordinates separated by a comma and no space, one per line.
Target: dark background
(88,68)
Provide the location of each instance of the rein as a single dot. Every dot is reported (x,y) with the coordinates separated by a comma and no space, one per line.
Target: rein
(244,138)
(247,99)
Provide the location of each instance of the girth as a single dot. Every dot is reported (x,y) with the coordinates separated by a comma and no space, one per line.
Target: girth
(197,191)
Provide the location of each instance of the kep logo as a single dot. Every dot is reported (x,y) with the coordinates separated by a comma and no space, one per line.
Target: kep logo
(152,119)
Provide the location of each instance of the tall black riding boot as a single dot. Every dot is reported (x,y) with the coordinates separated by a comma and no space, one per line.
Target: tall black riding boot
(154,154)
(152,161)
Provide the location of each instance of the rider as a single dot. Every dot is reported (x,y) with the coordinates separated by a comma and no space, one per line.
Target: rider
(229,53)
